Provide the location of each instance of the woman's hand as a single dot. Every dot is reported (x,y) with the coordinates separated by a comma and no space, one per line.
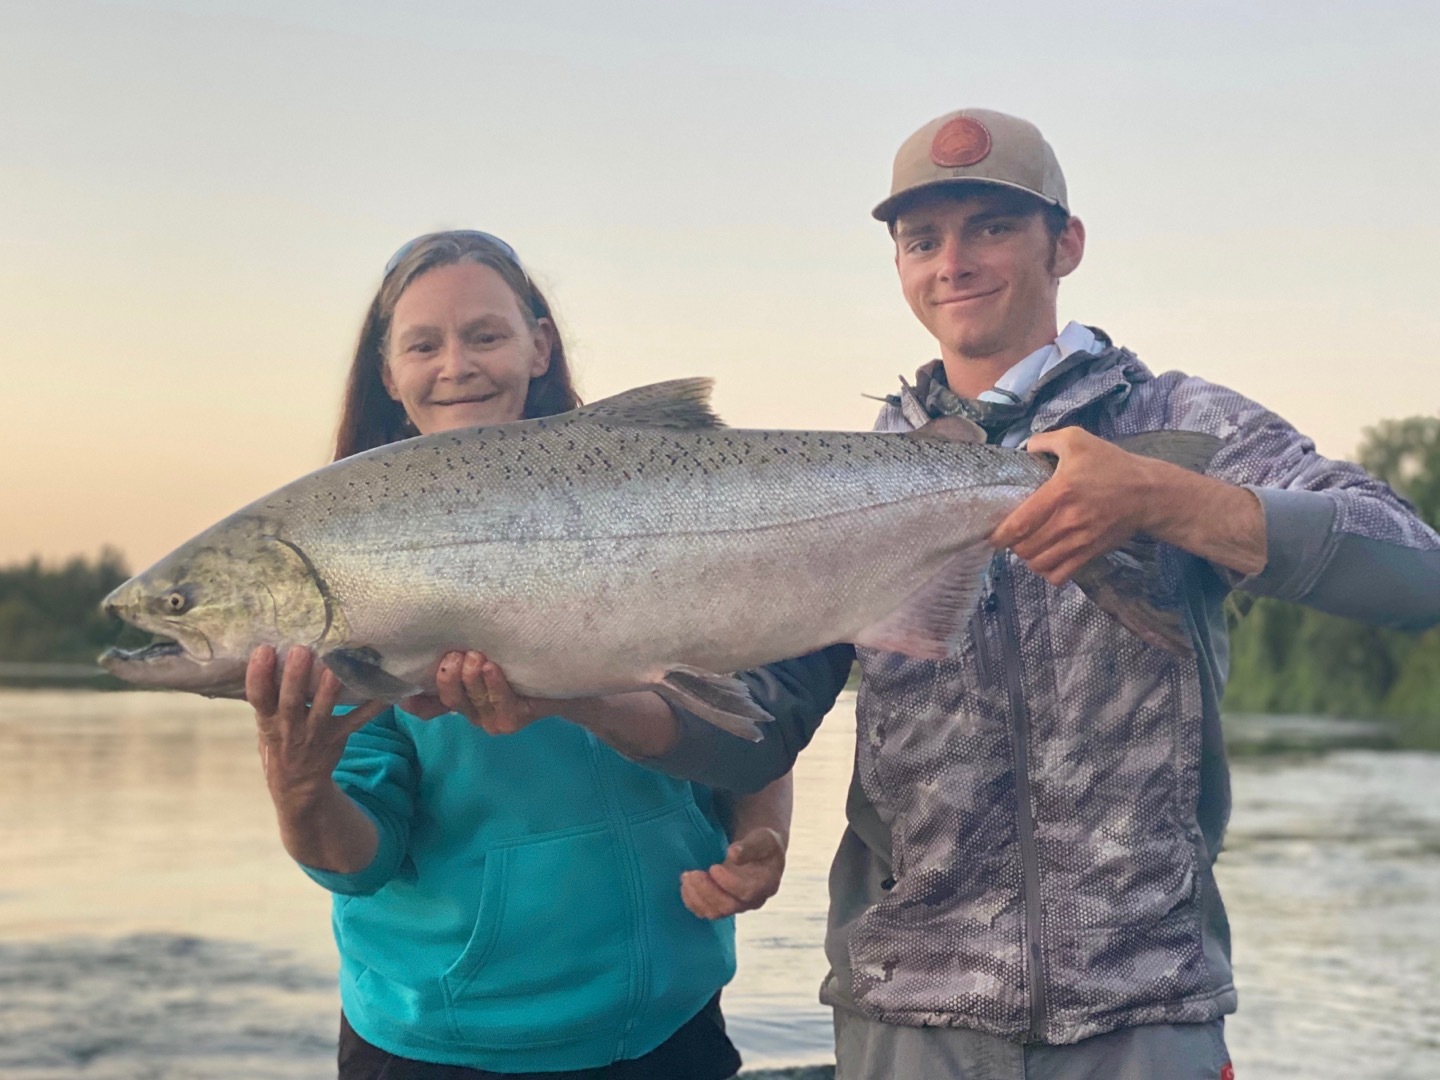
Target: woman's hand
(473,685)
(639,724)
(300,745)
(748,877)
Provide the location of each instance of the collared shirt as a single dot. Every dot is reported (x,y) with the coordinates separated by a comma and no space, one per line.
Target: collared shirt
(1016,383)
(1004,411)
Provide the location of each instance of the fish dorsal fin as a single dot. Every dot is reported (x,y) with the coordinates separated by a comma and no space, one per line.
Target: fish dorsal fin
(1189,449)
(679,403)
(949,429)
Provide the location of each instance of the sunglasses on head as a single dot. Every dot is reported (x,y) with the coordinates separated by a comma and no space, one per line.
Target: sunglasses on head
(469,234)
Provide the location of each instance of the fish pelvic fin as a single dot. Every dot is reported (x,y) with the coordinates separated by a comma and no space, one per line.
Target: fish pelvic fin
(722,700)
(359,669)
(932,622)
(681,404)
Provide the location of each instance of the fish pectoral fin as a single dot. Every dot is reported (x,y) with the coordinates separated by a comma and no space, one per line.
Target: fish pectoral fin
(931,624)
(723,700)
(359,669)
(682,404)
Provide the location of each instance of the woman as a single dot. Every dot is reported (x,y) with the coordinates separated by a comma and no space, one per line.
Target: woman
(503,905)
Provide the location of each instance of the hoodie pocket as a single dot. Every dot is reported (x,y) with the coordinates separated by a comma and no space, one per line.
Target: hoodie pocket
(550,958)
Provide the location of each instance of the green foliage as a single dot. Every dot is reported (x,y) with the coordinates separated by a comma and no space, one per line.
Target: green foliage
(1406,455)
(53,614)
(1288,659)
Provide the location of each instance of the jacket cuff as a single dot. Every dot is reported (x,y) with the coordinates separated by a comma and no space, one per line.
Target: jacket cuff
(694,755)
(365,882)
(1299,542)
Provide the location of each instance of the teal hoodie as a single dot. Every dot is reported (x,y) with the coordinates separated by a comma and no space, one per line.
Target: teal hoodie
(522,912)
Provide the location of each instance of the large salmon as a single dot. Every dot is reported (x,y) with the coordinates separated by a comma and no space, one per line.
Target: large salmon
(635,543)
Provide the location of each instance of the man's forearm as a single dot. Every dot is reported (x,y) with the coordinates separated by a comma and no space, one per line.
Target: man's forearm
(639,725)
(1215,520)
(769,808)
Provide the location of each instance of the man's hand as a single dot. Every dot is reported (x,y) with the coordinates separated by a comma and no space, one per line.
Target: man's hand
(748,877)
(1101,496)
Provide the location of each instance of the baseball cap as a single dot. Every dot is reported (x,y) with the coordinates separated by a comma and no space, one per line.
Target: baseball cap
(975,146)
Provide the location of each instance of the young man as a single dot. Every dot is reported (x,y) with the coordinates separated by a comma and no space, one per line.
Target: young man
(1025,887)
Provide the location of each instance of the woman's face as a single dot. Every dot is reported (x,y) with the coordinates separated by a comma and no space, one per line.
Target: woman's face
(460,351)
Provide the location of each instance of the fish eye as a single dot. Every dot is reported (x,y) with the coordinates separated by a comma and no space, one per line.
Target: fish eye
(176,603)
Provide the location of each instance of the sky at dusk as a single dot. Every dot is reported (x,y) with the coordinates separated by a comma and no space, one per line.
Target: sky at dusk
(197,199)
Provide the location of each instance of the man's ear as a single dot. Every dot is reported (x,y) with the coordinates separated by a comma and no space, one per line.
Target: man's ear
(1070,247)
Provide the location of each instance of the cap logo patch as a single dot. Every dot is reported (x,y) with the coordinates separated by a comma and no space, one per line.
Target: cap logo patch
(963,141)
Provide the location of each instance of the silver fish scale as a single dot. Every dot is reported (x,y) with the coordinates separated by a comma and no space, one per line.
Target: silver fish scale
(585,478)
(630,549)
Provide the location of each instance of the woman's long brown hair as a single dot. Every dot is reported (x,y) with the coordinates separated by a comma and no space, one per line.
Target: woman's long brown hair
(370,417)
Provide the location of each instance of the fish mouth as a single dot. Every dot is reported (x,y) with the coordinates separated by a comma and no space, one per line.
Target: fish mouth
(157,651)
(167,664)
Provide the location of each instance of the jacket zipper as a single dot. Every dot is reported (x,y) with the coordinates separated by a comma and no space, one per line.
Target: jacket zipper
(640,986)
(1025,814)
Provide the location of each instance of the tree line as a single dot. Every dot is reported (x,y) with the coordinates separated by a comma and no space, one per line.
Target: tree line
(1284,658)
(1289,659)
(52,614)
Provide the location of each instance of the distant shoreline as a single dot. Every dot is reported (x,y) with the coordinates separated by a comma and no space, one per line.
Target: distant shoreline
(1247,735)
(58,672)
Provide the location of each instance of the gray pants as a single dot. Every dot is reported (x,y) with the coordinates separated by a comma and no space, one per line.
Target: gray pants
(867,1050)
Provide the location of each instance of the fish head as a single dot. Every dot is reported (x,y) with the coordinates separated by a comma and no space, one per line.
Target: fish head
(216,599)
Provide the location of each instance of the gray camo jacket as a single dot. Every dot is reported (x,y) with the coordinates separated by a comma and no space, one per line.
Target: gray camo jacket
(1033,824)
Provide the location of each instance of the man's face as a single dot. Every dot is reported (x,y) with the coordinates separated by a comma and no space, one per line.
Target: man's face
(980,271)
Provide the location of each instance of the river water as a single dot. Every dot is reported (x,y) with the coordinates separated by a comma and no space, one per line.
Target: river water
(151,927)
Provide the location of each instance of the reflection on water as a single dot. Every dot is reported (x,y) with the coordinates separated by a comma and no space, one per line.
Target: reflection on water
(1332,877)
(160,1006)
(151,926)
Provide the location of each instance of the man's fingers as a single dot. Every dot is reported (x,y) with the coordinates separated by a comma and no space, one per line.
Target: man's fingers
(692,899)
(260,689)
(709,900)
(757,846)
(295,681)
(1024,520)
(749,889)
(742,891)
